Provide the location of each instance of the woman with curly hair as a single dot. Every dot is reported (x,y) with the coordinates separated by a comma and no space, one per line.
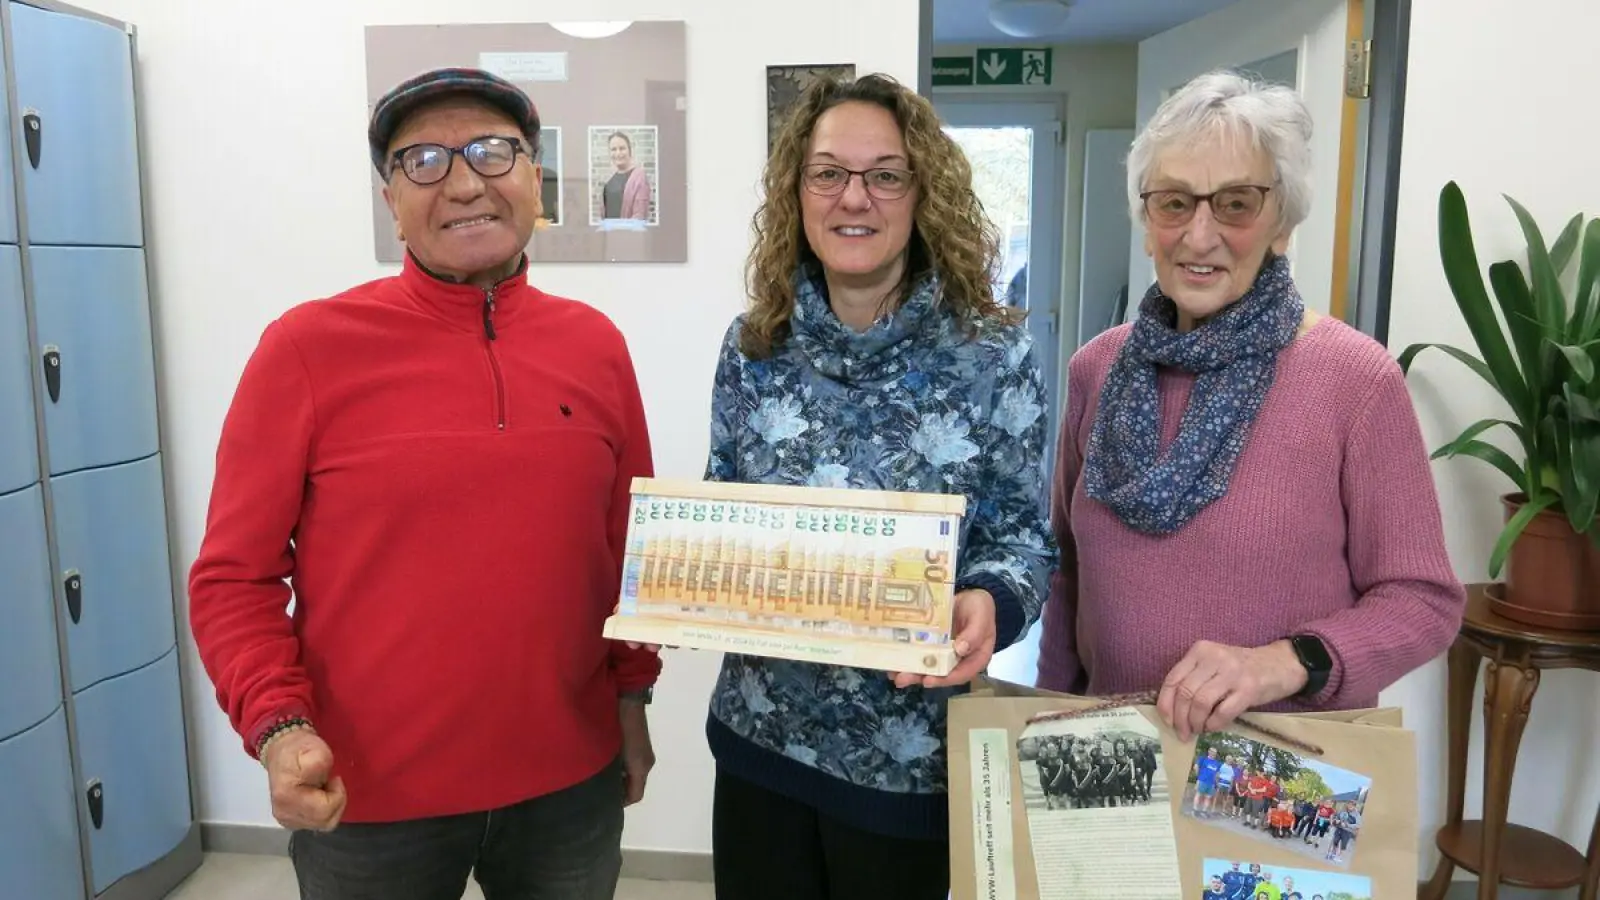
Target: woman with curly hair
(873,355)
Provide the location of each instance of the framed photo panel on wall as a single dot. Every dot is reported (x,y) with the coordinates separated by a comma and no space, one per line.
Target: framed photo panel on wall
(612,107)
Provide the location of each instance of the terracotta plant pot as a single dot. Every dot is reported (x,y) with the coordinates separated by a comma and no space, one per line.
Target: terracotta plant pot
(1552,574)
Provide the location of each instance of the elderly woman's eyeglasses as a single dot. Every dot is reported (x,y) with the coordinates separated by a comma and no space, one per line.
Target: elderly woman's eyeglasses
(829,180)
(427,164)
(1236,205)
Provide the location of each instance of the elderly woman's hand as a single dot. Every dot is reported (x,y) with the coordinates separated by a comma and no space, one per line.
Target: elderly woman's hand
(1214,683)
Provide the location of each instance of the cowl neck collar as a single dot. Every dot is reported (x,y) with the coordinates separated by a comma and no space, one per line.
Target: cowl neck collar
(885,350)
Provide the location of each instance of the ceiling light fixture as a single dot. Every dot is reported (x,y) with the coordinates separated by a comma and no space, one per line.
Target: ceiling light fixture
(590,29)
(1029,18)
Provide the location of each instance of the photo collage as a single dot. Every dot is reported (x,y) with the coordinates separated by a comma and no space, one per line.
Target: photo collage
(1280,798)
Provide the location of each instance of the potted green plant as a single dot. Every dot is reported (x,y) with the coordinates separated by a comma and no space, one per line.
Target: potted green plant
(1540,354)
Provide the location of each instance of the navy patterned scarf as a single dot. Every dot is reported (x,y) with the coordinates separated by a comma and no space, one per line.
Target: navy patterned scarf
(1234,356)
(884,352)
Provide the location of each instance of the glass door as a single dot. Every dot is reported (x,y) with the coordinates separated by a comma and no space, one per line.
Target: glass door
(1015,150)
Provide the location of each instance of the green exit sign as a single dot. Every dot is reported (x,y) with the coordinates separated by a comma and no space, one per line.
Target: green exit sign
(1012,65)
(952,71)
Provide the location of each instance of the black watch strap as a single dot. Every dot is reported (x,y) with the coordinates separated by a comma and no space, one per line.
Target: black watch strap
(1313,655)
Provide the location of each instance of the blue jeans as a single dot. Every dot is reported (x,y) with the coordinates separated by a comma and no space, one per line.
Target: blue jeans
(562,846)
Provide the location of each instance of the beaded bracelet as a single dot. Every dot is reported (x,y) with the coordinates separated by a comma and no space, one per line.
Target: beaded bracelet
(278,730)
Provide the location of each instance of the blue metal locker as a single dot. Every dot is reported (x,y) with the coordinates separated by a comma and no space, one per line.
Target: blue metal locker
(95,352)
(81,170)
(133,761)
(30,670)
(29,662)
(111,546)
(8,193)
(40,856)
(19,449)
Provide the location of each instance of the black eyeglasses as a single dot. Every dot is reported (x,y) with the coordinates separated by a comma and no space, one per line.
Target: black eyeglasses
(828,180)
(427,164)
(1236,205)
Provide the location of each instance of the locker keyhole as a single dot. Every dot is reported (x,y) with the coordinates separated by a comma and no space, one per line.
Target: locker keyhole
(74,588)
(33,135)
(97,803)
(52,372)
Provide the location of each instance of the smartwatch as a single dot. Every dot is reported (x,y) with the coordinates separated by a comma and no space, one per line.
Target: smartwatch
(1313,655)
(643,695)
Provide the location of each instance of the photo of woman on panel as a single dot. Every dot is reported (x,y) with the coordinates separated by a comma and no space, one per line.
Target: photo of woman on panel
(622,174)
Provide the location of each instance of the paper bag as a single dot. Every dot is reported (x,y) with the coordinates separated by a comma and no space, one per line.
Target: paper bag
(1104,805)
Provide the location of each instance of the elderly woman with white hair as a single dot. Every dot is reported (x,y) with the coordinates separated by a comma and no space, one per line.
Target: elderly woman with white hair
(1243,500)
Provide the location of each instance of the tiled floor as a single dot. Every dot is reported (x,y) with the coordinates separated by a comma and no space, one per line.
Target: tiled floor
(229,876)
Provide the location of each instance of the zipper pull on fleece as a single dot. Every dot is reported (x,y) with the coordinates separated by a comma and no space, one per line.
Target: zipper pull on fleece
(488,313)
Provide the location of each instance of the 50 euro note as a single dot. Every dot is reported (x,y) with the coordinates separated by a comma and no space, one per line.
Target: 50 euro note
(812,569)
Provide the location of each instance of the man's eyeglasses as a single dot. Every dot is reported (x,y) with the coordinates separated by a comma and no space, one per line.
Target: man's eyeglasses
(427,164)
(829,180)
(1236,205)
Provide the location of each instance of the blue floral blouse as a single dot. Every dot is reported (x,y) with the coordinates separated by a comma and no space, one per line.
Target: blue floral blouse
(917,403)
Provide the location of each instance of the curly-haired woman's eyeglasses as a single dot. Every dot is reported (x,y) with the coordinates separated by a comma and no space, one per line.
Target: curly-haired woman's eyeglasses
(829,180)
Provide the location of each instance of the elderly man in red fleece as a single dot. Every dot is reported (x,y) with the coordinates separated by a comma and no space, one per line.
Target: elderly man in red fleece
(438,464)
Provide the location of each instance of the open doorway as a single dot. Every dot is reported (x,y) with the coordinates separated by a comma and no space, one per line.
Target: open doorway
(1015,152)
(1075,85)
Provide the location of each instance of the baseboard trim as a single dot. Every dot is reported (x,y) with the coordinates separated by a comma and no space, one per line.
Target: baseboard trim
(645,865)
(254,840)
(163,876)
(666,865)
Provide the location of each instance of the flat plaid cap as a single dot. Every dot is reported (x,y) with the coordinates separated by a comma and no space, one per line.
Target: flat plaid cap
(393,107)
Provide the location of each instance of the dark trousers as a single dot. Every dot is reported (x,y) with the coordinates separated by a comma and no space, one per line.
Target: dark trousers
(562,846)
(767,847)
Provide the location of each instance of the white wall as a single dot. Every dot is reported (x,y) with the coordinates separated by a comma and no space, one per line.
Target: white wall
(1096,82)
(1524,126)
(261,197)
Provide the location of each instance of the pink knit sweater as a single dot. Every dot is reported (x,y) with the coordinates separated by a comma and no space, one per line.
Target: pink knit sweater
(1330,527)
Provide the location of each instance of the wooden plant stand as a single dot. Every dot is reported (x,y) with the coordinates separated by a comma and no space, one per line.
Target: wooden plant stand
(1497,851)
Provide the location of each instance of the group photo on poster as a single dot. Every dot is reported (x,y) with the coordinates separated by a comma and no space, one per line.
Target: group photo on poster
(623,166)
(1098,805)
(1245,880)
(1083,771)
(1292,801)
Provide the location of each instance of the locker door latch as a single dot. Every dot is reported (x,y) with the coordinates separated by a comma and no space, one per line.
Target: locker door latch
(74,586)
(33,135)
(52,372)
(97,803)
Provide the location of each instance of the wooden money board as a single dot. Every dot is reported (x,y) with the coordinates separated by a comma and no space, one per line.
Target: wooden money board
(830,575)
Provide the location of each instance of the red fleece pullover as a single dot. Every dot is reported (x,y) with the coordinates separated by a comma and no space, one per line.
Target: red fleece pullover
(442,475)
